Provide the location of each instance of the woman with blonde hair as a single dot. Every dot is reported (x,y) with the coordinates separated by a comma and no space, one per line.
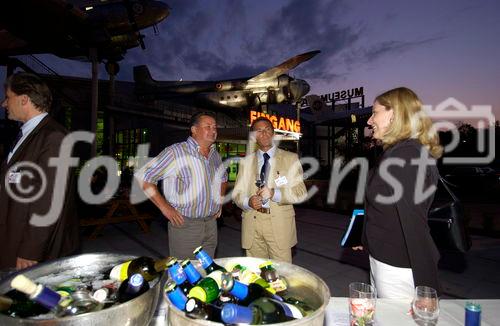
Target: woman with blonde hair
(400,191)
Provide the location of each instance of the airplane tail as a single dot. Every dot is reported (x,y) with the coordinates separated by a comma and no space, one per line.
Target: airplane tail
(142,75)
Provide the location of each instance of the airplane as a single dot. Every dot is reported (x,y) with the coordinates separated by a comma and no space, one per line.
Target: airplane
(273,86)
(70,31)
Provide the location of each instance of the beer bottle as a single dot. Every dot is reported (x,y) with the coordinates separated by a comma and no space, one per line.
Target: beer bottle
(245,293)
(208,289)
(206,261)
(261,311)
(77,303)
(192,273)
(132,287)
(176,296)
(146,266)
(270,275)
(200,310)
(177,274)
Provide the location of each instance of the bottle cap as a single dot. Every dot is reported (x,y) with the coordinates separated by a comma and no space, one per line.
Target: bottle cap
(198,293)
(226,282)
(170,286)
(136,280)
(234,314)
(198,250)
(266,264)
(101,295)
(472,306)
(239,290)
(24,284)
(185,262)
(171,261)
(191,304)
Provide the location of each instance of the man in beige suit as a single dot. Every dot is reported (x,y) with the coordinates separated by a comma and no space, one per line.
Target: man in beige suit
(268,224)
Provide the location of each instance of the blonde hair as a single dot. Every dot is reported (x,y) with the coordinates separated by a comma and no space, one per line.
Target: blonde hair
(409,120)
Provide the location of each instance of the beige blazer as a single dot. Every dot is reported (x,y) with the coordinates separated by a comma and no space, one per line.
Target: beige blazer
(282,214)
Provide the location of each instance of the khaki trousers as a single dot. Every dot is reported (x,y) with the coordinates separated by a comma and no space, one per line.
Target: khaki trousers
(264,244)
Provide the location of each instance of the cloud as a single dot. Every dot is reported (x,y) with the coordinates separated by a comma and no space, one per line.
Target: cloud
(371,53)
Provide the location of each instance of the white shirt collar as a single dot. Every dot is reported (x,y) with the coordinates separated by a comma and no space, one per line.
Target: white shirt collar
(270,152)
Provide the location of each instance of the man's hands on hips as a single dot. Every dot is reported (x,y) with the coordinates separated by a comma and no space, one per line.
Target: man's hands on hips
(22,263)
(173,215)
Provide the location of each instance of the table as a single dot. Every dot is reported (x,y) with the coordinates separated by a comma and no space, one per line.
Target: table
(391,312)
(118,210)
(395,312)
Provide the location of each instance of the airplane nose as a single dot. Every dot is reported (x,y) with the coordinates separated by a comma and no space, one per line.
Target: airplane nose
(152,13)
(159,10)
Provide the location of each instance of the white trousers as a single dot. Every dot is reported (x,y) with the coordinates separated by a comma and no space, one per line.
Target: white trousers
(391,282)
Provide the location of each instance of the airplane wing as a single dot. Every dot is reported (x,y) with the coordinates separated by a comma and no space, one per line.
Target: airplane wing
(284,67)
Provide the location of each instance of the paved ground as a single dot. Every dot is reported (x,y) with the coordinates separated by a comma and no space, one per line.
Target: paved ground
(473,275)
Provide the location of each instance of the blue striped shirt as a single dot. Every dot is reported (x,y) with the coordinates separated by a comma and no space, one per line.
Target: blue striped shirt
(191,182)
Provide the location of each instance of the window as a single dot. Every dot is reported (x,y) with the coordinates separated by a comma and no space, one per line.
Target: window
(231,150)
(126,144)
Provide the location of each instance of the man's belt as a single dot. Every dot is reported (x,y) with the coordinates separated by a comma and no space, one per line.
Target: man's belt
(264,210)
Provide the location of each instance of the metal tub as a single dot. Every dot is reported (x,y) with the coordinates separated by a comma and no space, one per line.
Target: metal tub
(134,312)
(303,284)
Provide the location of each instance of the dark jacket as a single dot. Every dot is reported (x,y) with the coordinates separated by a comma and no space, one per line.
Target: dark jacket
(18,237)
(397,234)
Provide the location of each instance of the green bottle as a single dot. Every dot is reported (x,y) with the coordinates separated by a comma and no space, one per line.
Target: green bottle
(208,289)
(16,304)
(270,274)
(260,311)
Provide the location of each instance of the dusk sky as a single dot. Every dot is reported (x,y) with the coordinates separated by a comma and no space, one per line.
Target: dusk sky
(441,49)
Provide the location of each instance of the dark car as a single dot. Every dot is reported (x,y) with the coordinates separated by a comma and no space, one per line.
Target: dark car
(471,179)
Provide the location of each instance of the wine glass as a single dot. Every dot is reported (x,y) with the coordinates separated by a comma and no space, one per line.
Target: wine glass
(426,305)
(260,184)
(362,300)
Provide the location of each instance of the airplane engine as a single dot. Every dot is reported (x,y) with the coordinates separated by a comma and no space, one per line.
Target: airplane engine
(223,86)
(298,89)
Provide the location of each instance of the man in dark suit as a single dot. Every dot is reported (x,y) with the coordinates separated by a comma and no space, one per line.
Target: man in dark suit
(30,231)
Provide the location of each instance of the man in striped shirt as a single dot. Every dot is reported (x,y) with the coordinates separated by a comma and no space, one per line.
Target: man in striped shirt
(194,181)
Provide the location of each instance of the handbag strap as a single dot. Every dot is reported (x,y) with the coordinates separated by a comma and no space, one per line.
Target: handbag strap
(448,190)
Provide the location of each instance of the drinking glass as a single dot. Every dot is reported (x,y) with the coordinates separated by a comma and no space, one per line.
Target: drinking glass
(260,184)
(362,299)
(426,305)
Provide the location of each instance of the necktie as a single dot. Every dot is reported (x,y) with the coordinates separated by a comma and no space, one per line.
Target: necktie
(14,142)
(265,168)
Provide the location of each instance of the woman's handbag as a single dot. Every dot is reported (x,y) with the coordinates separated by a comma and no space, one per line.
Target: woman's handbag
(447,224)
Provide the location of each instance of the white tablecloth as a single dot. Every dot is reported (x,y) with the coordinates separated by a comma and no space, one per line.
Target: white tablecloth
(391,313)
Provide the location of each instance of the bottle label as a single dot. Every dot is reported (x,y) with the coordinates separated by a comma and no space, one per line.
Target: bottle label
(177,274)
(278,285)
(204,258)
(120,272)
(217,277)
(290,310)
